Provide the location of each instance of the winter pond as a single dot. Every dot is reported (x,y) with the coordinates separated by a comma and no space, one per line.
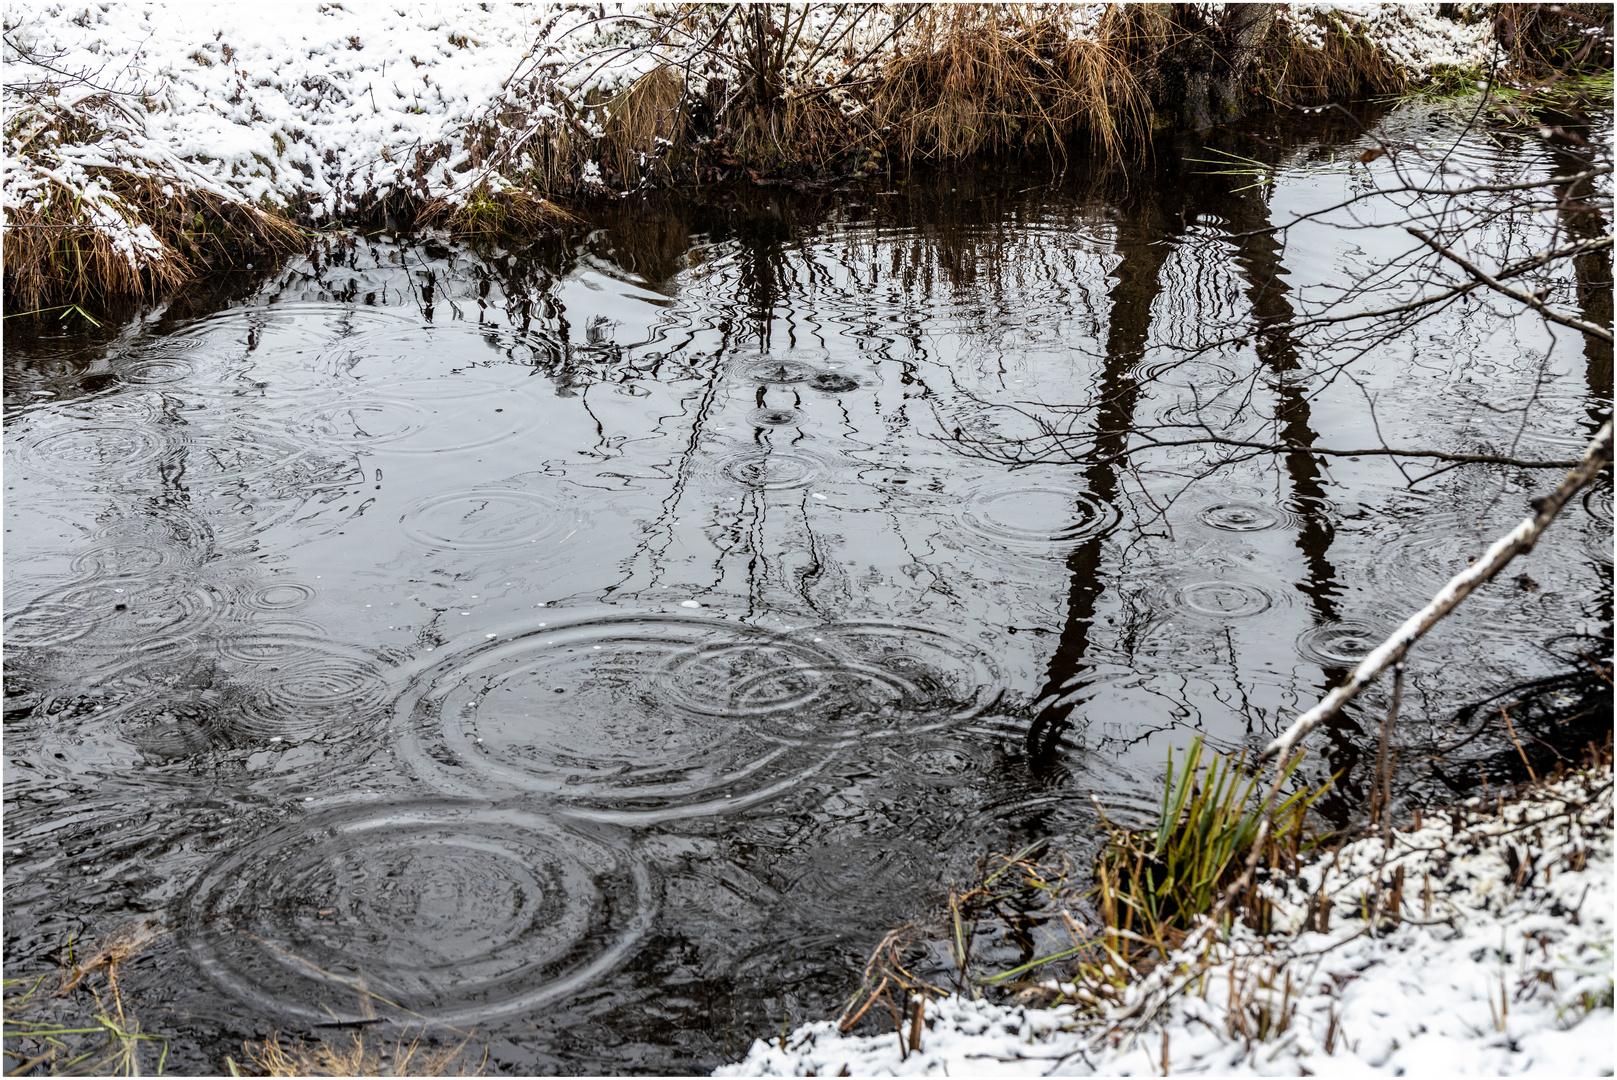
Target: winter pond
(597,647)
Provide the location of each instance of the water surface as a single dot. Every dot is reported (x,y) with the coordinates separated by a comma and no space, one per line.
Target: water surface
(599,646)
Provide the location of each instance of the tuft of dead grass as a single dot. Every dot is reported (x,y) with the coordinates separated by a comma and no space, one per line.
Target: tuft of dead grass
(1348,66)
(975,78)
(643,124)
(277,1056)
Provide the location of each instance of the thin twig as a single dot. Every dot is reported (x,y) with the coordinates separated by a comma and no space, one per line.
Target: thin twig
(1599,333)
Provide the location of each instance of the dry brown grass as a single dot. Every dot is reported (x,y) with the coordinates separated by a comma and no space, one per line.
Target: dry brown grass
(971,78)
(55,253)
(1347,67)
(643,123)
(357,1057)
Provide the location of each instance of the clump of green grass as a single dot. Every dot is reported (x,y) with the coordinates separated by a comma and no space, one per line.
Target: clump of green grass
(1026,919)
(1151,886)
(494,214)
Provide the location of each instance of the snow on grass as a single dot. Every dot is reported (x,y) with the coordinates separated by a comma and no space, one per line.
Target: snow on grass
(1498,963)
(290,103)
(302,103)
(1417,39)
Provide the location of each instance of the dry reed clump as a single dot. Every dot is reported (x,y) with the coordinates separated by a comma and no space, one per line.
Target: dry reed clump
(276,1056)
(79,233)
(642,125)
(971,78)
(1343,65)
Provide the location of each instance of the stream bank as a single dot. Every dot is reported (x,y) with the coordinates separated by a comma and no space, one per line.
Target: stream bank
(148,146)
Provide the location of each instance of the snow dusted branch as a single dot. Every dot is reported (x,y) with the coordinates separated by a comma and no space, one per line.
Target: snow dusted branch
(1519,540)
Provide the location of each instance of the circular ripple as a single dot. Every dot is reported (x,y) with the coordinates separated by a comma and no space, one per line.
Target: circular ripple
(1240,517)
(102,449)
(456,912)
(1340,644)
(774,470)
(1198,374)
(1598,504)
(934,763)
(782,372)
(614,707)
(146,545)
(278,596)
(1038,515)
(774,417)
(833,382)
(147,616)
(486,519)
(302,687)
(155,371)
(1224,599)
(888,678)
(422,416)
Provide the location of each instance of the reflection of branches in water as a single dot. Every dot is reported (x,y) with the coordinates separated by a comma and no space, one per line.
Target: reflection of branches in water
(1475,236)
(1528,729)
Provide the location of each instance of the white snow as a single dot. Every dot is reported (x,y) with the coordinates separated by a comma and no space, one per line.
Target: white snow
(1501,965)
(316,107)
(1417,39)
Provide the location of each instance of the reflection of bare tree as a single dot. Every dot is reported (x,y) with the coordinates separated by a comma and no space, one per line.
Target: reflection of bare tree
(1143,242)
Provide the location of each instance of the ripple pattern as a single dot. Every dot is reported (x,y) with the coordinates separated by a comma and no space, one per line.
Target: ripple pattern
(1224,599)
(774,470)
(1042,516)
(155,371)
(1240,517)
(1340,644)
(609,706)
(454,911)
(781,372)
(488,519)
(774,417)
(119,614)
(304,688)
(104,450)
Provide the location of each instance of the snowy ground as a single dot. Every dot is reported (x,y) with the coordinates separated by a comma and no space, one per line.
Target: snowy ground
(316,107)
(1501,964)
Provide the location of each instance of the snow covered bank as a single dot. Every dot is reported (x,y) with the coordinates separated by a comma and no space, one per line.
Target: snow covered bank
(318,108)
(1479,943)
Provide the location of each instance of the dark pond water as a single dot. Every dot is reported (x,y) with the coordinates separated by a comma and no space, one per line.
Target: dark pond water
(600,646)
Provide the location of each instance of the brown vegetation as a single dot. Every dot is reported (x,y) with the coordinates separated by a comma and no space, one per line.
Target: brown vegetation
(356,1057)
(793,94)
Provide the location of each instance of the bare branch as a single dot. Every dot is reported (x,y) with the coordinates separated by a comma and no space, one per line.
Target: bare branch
(1516,542)
(1599,333)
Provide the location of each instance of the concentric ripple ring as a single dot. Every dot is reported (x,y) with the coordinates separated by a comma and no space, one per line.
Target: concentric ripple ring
(455,911)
